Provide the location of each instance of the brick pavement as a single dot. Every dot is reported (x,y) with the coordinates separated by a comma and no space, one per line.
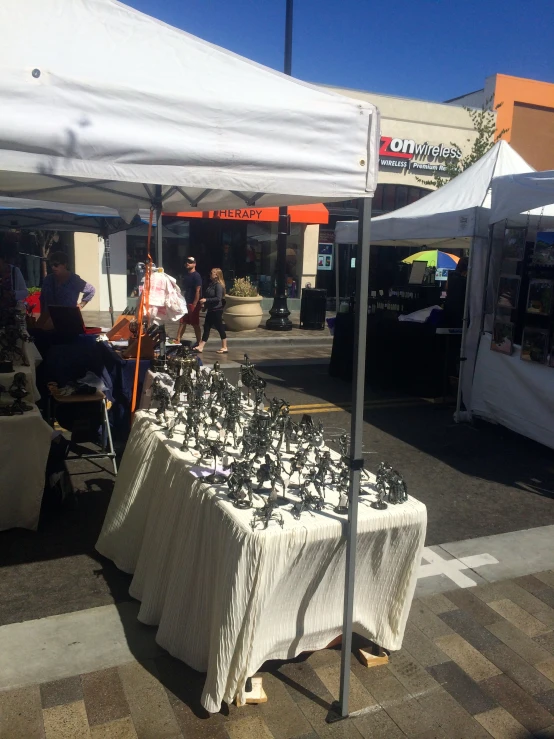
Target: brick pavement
(476,662)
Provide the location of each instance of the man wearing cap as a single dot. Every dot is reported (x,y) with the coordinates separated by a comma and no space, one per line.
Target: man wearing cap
(192,289)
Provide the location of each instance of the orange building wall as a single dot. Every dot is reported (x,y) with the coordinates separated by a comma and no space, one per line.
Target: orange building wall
(528,112)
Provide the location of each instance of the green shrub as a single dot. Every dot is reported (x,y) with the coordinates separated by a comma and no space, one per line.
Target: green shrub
(243,288)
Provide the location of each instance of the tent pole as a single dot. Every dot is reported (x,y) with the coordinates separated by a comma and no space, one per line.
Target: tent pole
(337,279)
(465,326)
(486,282)
(356,440)
(159,227)
(107,259)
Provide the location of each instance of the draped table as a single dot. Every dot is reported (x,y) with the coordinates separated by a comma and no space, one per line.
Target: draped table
(24,447)
(227,597)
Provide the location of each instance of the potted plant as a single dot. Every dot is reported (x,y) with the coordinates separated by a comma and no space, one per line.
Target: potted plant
(243,306)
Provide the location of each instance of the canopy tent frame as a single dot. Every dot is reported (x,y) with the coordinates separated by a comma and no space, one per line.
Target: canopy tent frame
(281,154)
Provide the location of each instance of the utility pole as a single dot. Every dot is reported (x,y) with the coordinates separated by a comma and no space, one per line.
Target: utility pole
(280,312)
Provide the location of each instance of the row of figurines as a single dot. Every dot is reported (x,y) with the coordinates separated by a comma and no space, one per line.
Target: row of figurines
(216,408)
(13,335)
(17,390)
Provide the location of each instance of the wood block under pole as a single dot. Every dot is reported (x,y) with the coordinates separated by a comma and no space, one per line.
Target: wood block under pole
(371,656)
(254,696)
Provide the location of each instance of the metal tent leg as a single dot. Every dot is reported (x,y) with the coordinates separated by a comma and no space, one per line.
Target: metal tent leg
(111,451)
(356,458)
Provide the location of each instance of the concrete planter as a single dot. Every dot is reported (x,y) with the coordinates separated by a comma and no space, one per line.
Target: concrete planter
(242,314)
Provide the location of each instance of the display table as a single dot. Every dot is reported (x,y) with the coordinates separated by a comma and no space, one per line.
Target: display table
(227,597)
(514,393)
(24,447)
(33,357)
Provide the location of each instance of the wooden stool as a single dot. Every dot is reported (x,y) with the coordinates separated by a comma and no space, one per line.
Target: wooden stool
(98,397)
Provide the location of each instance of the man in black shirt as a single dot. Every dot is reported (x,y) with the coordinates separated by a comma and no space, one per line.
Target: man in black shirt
(192,290)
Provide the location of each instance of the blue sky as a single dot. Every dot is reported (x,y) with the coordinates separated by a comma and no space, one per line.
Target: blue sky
(430,49)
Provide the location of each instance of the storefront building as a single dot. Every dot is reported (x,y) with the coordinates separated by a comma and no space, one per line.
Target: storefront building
(417,136)
(526,115)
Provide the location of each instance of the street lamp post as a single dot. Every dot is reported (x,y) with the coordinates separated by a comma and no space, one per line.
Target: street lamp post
(280,312)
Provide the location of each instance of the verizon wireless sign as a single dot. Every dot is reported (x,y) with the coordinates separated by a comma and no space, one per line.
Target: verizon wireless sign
(406,154)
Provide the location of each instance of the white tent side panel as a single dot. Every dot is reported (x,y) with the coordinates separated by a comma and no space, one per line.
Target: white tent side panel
(93,89)
(513,194)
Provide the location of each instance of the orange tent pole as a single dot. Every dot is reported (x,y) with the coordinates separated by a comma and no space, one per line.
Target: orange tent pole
(143,308)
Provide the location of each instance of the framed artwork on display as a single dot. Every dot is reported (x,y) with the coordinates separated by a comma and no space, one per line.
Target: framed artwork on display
(508,291)
(543,253)
(514,243)
(534,345)
(503,337)
(539,297)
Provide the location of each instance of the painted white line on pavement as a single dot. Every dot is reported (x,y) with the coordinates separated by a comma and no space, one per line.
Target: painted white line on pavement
(451,568)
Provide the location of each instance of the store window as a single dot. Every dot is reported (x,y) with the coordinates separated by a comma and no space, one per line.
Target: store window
(261,257)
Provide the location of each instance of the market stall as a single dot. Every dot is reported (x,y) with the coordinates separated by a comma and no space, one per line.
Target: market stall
(513,368)
(207,131)
(259,594)
(456,216)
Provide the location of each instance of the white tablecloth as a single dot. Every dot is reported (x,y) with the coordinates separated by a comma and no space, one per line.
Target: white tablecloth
(227,598)
(24,447)
(514,393)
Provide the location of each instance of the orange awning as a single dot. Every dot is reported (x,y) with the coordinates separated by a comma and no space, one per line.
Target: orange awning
(314,213)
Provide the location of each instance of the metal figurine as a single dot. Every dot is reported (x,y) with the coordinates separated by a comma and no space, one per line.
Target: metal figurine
(382,485)
(216,451)
(398,492)
(308,501)
(298,463)
(267,513)
(270,471)
(239,483)
(18,391)
(179,417)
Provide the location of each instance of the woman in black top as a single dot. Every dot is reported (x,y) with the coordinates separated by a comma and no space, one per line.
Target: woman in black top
(213,302)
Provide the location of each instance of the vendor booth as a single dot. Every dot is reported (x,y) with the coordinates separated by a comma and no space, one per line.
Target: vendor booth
(513,383)
(188,126)
(454,217)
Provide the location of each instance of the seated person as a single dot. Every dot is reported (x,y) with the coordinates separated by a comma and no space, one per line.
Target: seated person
(62,287)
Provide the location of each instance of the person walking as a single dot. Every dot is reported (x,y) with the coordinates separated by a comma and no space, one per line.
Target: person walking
(213,302)
(192,290)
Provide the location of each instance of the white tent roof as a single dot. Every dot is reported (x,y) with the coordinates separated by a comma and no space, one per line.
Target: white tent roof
(95,92)
(451,212)
(514,194)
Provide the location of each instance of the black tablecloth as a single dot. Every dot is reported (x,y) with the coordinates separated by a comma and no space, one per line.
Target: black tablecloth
(401,356)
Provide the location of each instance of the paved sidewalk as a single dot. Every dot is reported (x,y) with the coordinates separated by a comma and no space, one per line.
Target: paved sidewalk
(475,664)
(261,334)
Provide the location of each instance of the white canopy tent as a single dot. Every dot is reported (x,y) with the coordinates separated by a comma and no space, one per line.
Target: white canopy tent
(121,103)
(103,105)
(454,216)
(522,200)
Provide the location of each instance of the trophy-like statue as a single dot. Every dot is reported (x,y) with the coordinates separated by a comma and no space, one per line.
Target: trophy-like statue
(18,391)
(216,451)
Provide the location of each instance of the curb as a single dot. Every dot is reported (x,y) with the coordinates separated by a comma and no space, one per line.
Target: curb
(323,341)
